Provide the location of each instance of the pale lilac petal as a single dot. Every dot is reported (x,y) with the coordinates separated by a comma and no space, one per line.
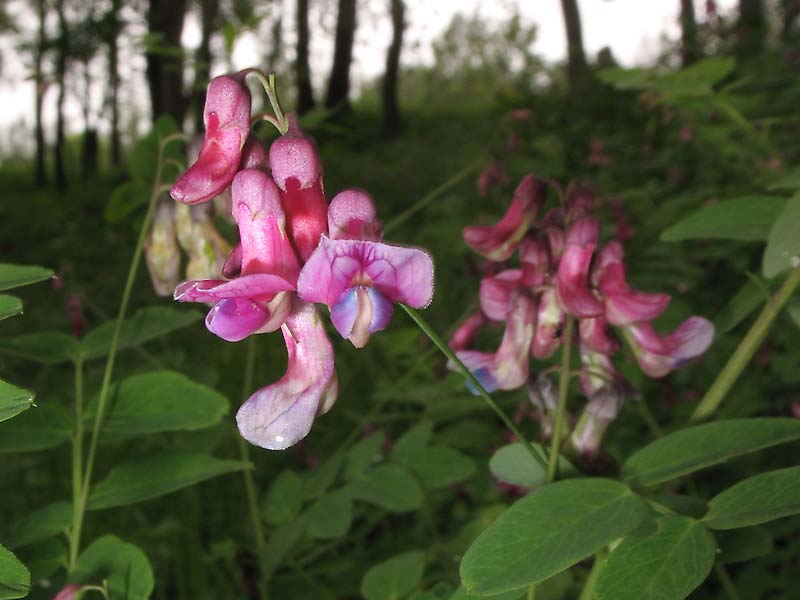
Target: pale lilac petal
(359,312)
(281,414)
(659,355)
(345,311)
(259,286)
(352,215)
(233,319)
(497,293)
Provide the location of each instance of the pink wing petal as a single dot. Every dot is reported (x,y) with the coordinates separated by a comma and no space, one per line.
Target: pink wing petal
(261,286)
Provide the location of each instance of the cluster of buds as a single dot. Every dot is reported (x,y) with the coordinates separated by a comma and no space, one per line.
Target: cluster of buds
(565,278)
(295,249)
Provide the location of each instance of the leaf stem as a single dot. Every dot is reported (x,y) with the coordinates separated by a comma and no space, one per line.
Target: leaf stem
(445,349)
(726,582)
(587,593)
(746,349)
(77,463)
(561,407)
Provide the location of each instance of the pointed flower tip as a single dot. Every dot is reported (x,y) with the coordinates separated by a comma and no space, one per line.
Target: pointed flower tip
(294,156)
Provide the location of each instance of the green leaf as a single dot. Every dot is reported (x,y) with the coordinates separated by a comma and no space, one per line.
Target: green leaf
(330,516)
(363,454)
(758,499)
(544,533)
(159,401)
(320,479)
(14,276)
(748,218)
(739,545)
(46,347)
(394,578)
(279,544)
(283,500)
(9,306)
(783,244)
(790,181)
(147,324)
(41,524)
(15,580)
(697,79)
(513,464)
(412,442)
(689,506)
(40,428)
(463,594)
(738,308)
(389,486)
(13,400)
(701,446)
(123,566)
(156,476)
(665,565)
(440,466)
(125,199)
(43,558)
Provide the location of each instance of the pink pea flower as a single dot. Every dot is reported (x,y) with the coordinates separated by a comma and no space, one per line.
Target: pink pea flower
(256,300)
(572,278)
(467,331)
(534,253)
(550,321)
(498,242)
(601,410)
(360,280)
(658,355)
(281,414)
(492,176)
(595,335)
(68,592)
(352,216)
(498,294)
(227,119)
(297,171)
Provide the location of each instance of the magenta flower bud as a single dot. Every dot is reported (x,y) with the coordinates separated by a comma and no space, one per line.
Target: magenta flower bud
(254,154)
(352,216)
(550,320)
(574,293)
(297,171)
(491,176)
(227,120)
(360,281)
(499,292)
(281,414)
(580,201)
(658,355)
(499,241)
(467,331)
(595,335)
(77,319)
(535,256)
(68,592)
(161,252)
(507,368)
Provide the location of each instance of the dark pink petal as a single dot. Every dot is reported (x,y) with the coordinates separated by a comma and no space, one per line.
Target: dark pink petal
(659,355)
(352,215)
(399,274)
(68,592)
(497,293)
(280,415)
(574,293)
(254,154)
(499,241)
(262,226)
(580,201)
(623,305)
(595,335)
(260,286)
(233,319)
(232,267)
(549,324)
(465,333)
(611,254)
(535,256)
(227,120)
(294,156)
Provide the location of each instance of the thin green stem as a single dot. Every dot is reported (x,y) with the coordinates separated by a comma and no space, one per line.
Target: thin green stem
(726,582)
(746,349)
(531,592)
(80,505)
(587,593)
(451,356)
(77,463)
(431,196)
(561,407)
(649,419)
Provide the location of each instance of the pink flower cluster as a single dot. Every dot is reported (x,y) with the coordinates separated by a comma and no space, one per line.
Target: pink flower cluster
(295,249)
(564,273)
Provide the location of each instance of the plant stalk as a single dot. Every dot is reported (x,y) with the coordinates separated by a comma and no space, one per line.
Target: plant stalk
(77,463)
(746,349)
(561,407)
(587,593)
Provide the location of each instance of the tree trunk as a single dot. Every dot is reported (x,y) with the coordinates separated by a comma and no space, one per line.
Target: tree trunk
(61,76)
(576,58)
(202,66)
(790,10)
(165,63)
(339,82)
(391,111)
(751,29)
(305,93)
(113,81)
(690,51)
(90,145)
(40,178)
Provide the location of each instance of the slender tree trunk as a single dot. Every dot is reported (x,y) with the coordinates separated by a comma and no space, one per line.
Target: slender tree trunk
(576,58)
(690,50)
(305,93)
(61,76)
(90,145)
(790,10)
(751,28)
(165,63)
(113,81)
(339,82)
(391,111)
(40,178)
(202,65)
